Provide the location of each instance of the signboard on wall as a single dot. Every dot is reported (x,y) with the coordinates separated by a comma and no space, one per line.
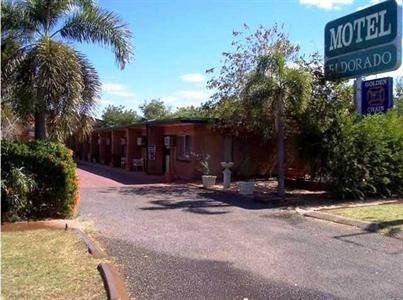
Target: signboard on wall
(377,95)
(365,42)
(151,149)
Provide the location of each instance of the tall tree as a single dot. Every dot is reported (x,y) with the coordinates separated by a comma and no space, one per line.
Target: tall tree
(273,90)
(155,109)
(52,81)
(119,115)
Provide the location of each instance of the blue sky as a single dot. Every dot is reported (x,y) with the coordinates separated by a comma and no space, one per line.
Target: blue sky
(177,40)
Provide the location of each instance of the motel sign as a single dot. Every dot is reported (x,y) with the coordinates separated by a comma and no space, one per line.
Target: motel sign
(365,42)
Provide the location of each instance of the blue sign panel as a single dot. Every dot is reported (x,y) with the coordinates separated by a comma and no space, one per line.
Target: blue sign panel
(377,95)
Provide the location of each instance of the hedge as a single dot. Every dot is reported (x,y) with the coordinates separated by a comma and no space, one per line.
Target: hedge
(365,158)
(38,181)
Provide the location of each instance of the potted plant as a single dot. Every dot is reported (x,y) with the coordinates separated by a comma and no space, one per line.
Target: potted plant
(207,179)
(247,186)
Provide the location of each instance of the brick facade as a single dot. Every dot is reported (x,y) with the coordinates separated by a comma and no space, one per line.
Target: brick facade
(167,147)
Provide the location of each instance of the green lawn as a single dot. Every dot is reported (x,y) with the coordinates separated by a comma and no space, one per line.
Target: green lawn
(48,264)
(390,216)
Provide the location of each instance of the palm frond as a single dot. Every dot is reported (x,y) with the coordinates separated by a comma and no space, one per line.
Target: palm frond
(99,26)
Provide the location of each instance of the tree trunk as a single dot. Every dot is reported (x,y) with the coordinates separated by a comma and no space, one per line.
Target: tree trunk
(280,145)
(40,125)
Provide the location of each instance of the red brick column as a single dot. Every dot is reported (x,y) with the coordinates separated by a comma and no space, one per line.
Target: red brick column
(102,147)
(130,145)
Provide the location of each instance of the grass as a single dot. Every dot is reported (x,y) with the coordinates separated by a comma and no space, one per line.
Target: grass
(48,264)
(390,216)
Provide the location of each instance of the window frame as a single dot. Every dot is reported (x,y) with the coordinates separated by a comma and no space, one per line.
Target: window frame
(184,144)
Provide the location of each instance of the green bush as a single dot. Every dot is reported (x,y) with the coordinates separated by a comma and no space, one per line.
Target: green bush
(16,188)
(365,157)
(47,183)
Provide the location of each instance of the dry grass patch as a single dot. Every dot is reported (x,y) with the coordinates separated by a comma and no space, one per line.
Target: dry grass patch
(48,264)
(389,216)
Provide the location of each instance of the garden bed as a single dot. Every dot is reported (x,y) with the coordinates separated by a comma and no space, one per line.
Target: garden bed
(48,264)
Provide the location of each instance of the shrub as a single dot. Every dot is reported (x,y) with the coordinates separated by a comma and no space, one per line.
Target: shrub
(365,158)
(48,170)
(15,189)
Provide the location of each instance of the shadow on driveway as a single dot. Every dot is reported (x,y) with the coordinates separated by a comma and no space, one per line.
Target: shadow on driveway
(164,197)
(154,275)
(119,175)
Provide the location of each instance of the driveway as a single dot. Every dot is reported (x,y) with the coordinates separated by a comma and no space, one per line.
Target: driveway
(181,242)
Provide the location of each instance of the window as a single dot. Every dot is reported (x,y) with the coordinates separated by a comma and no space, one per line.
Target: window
(184,147)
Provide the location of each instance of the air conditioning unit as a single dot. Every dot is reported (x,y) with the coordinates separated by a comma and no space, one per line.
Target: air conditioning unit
(169,141)
(141,141)
(123,141)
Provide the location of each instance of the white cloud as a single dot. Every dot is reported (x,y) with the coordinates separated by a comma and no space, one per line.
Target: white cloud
(326,4)
(117,89)
(186,98)
(105,101)
(193,77)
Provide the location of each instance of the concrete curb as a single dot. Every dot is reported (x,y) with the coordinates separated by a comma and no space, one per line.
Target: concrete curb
(372,227)
(92,248)
(114,284)
(43,224)
(358,204)
(367,226)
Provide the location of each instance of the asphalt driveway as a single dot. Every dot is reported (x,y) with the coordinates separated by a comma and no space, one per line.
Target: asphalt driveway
(180,242)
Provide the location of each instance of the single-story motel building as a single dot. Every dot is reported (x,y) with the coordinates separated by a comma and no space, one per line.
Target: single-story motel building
(169,147)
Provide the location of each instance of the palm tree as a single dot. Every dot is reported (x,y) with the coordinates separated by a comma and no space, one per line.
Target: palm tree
(46,78)
(275,90)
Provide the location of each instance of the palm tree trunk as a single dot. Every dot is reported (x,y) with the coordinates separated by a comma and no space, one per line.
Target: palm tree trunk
(40,125)
(280,145)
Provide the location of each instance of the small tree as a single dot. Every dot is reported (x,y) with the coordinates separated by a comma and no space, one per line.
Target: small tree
(256,85)
(119,115)
(155,109)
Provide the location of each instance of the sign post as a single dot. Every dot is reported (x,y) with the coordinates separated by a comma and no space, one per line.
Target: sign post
(358,95)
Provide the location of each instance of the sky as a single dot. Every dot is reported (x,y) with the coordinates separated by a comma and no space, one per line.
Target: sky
(176,41)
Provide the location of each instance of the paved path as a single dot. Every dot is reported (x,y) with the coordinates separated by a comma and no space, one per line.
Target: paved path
(176,242)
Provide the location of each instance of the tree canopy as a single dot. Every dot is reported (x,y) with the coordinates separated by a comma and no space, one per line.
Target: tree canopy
(114,115)
(189,112)
(228,103)
(260,88)
(45,78)
(155,109)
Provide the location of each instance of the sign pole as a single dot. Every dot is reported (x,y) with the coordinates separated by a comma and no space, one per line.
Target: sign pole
(358,95)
